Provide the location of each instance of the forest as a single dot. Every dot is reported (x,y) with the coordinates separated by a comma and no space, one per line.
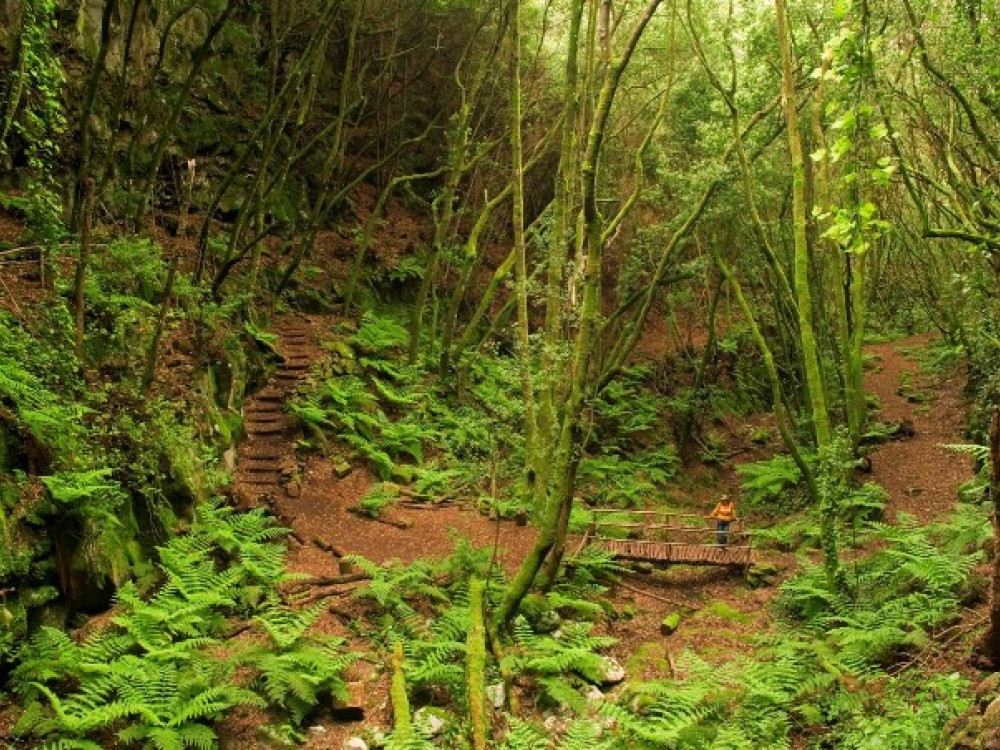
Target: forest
(511,374)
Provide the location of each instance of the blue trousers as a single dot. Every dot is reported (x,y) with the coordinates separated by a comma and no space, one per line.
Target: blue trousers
(722,532)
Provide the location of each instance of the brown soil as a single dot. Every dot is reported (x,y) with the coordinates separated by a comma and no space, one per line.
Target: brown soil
(919,474)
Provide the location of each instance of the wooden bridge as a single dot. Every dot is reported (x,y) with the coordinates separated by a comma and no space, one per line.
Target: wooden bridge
(663,537)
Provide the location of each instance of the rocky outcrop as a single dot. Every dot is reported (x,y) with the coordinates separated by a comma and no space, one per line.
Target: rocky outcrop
(979,727)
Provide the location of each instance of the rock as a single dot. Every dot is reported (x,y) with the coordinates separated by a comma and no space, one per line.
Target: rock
(229,460)
(430,720)
(341,349)
(670,624)
(761,574)
(318,730)
(351,708)
(403,474)
(496,695)
(341,468)
(987,690)
(613,671)
(293,489)
(594,695)
(992,713)
(355,743)
(554,724)
(273,738)
(539,613)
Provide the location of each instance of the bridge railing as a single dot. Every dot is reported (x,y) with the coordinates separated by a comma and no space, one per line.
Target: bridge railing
(664,526)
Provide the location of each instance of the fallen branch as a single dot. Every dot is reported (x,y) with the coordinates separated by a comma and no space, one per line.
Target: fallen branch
(428,505)
(333,580)
(326,593)
(237,629)
(658,597)
(404,525)
(336,611)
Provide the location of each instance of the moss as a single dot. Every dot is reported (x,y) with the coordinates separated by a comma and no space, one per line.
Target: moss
(476,665)
(647,655)
(724,612)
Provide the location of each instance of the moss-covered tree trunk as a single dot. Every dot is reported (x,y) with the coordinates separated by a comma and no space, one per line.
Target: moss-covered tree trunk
(475,666)
(812,365)
(581,383)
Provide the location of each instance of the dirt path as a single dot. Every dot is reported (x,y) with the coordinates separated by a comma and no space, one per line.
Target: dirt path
(920,475)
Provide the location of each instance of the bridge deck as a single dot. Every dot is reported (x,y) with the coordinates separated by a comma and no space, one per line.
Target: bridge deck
(675,552)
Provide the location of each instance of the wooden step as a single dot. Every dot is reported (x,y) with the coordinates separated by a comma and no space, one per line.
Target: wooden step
(251,464)
(265,416)
(265,454)
(298,367)
(269,409)
(270,394)
(261,480)
(267,428)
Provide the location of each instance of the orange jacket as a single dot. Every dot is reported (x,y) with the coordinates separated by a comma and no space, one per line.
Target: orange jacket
(724,512)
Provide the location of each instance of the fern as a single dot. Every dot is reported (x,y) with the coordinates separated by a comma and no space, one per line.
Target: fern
(765,483)
(379,334)
(154,675)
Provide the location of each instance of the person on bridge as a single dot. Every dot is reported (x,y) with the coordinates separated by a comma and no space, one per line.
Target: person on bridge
(724,514)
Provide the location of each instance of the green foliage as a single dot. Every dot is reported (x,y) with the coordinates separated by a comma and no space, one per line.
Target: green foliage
(625,408)
(770,485)
(379,334)
(296,672)
(825,674)
(34,110)
(562,662)
(379,497)
(628,480)
(155,674)
(28,381)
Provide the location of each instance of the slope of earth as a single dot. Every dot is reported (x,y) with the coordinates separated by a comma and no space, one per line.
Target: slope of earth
(920,475)
(722,615)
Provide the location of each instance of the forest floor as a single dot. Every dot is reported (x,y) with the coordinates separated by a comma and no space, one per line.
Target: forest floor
(721,615)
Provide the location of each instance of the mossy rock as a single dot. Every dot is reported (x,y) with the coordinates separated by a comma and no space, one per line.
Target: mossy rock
(403,474)
(987,691)
(762,574)
(538,611)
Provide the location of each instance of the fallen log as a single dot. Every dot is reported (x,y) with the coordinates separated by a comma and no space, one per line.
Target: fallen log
(327,547)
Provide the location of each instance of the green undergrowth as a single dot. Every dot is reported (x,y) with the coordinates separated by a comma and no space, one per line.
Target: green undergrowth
(98,467)
(166,667)
(833,672)
(460,439)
